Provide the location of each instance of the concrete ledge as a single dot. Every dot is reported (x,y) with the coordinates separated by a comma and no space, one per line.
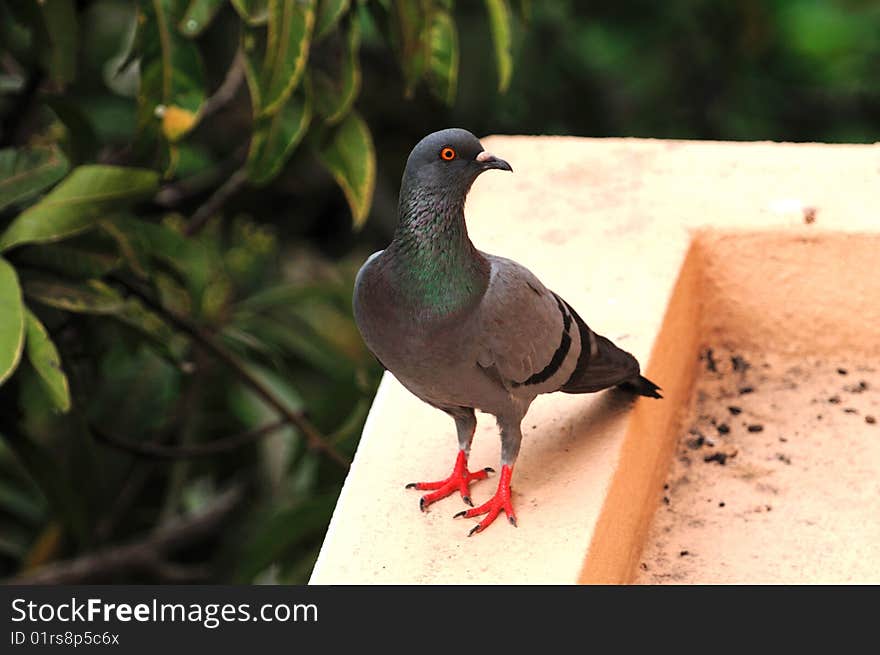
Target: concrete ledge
(662,246)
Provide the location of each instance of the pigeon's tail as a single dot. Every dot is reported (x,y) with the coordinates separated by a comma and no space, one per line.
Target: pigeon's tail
(642,386)
(602,365)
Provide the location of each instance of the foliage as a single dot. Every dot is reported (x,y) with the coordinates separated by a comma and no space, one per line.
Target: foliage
(163,337)
(177,195)
(791,70)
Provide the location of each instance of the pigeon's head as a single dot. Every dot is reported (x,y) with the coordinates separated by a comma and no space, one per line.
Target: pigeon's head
(449,161)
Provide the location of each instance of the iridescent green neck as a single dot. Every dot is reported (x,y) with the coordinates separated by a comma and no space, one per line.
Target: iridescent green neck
(438,269)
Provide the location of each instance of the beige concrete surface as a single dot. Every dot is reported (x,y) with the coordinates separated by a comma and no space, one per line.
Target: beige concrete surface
(608,225)
(797,497)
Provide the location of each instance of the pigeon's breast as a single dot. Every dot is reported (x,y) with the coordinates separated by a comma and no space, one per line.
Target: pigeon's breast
(428,353)
(408,340)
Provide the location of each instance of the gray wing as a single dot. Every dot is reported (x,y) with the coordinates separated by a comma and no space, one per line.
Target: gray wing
(527,336)
(601,363)
(531,338)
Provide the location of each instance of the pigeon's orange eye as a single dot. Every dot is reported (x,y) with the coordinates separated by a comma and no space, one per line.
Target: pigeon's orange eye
(447,154)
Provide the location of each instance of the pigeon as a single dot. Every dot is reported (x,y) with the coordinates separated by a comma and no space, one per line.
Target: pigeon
(464,330)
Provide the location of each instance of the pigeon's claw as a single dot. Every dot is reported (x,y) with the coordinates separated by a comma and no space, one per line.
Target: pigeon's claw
(459,480)
(491,508)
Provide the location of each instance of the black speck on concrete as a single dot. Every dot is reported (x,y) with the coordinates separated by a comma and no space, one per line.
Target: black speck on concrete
(696,443)
(756,427)
(711,364)
(739,363)
(857,388)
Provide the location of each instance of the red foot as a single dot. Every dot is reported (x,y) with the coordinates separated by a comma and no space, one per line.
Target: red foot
(500,501)
(457,481)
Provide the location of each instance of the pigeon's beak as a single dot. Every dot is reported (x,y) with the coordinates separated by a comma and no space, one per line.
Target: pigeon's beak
(488,160)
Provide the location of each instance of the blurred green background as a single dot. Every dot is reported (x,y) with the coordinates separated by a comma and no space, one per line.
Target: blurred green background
(188,187)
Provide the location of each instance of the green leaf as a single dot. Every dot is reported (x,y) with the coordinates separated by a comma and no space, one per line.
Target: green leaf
(198,16)
(122,70)
(80,143)
(277,384)
(253,12)
(80,261)
(275,56)
(185,257)
(124,247)
(275,137)
(11,84)
(351,158)
(22,26)
(11,320)
(26,171)
(74,205)
(19,500)
(60,55)
(43,356)
(90,297)
(168,343)
(15,541)
(295,337)
(408,23)
(66,501)
(283,294)
(312,322)
(353,425)
(443,58)
(335,94)
(329,13)
(172,77)
(273,533)
(499,20)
